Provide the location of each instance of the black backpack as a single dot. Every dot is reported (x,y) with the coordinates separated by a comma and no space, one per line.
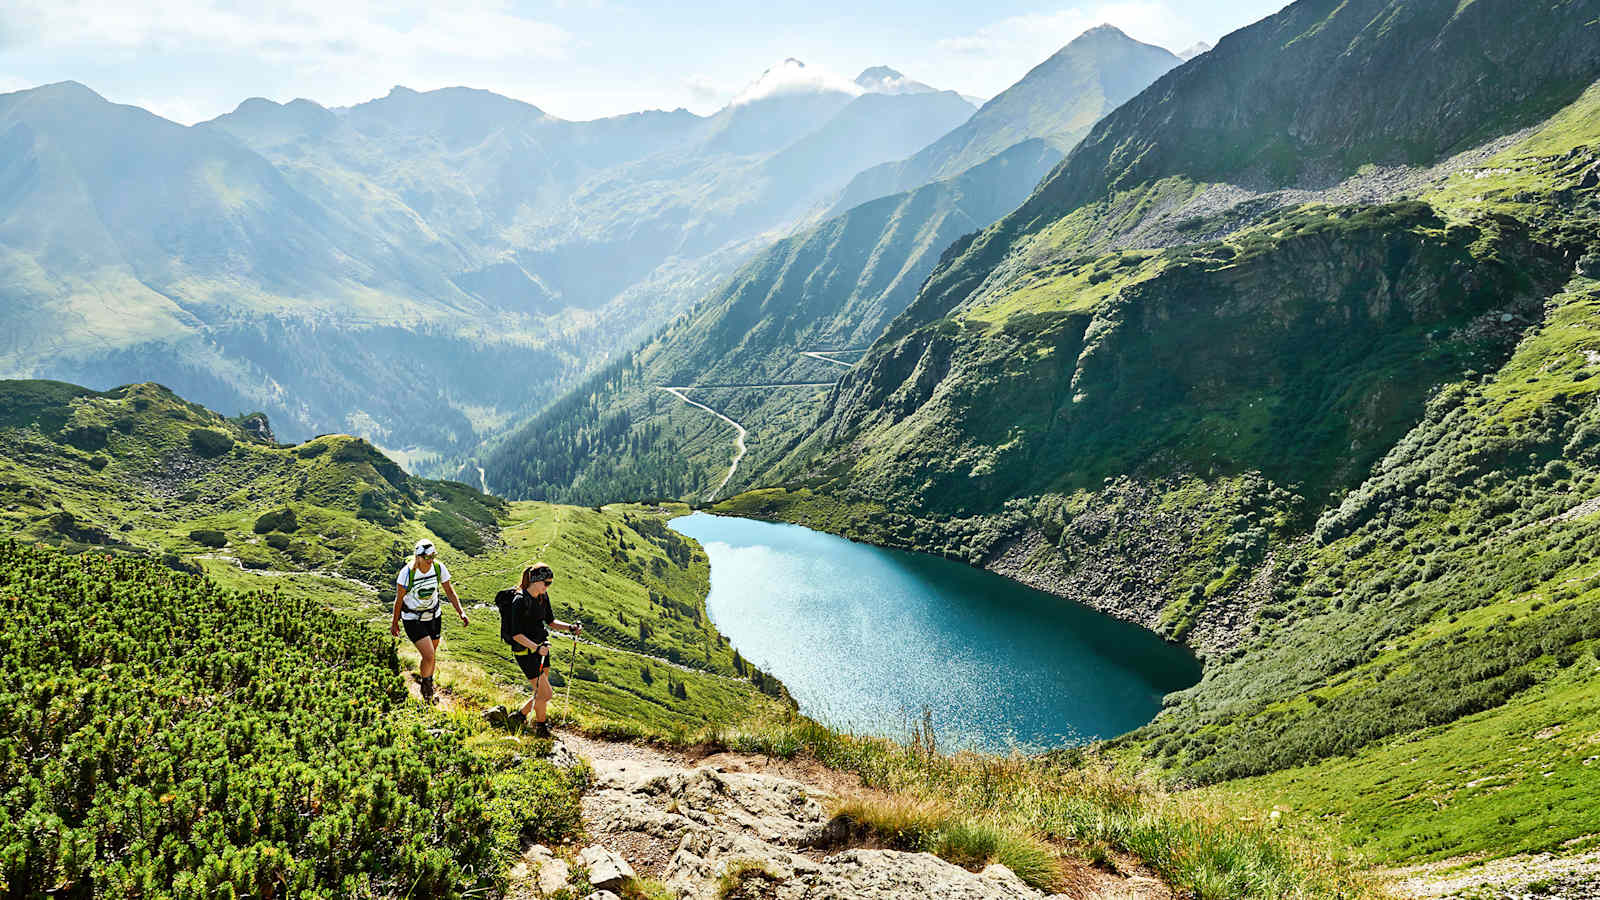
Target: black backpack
(510,620)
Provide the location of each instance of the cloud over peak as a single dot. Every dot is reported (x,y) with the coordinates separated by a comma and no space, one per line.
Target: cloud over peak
(795,77)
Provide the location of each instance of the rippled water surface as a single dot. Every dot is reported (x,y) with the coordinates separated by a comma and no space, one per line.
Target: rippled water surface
(865,638)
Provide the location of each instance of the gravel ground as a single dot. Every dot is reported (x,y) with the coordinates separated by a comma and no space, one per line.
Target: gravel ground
(1513,878)
(1225,208)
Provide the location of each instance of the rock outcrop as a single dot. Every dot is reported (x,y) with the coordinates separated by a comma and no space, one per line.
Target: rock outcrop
(708,832)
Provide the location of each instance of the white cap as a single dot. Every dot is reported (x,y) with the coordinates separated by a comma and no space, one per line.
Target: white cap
(425,548)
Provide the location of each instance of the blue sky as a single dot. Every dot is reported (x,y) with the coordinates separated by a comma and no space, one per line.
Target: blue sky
(194,59)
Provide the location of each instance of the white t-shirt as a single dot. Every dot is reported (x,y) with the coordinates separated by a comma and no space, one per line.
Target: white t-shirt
(423,590)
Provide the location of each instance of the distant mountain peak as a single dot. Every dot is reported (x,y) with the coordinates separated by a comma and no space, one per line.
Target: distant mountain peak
(253,103)
(1103,30)
(794,77)
(75,90)
(1194,50)
(884,80)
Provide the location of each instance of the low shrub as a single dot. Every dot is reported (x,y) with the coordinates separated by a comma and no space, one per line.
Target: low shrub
(208,538)
(209,442)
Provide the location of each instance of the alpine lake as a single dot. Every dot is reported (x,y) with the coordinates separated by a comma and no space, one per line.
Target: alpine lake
(868,639)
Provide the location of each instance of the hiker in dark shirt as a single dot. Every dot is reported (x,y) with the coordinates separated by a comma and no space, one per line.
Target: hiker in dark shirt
(525,619)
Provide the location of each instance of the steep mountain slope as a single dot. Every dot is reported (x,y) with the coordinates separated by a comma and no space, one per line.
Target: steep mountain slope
(1058,101)
(285,257)
(1291,360)
(833,287)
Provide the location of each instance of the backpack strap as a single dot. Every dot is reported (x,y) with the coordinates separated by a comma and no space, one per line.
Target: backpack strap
(411,579)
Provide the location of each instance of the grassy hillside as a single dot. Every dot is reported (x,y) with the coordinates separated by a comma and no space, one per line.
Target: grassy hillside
(138,471)
(295,661)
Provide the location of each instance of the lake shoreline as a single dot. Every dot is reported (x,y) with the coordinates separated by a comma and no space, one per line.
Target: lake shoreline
(1039,673)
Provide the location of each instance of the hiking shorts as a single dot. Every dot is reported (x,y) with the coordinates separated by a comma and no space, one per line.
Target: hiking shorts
(416,629)
(532,663)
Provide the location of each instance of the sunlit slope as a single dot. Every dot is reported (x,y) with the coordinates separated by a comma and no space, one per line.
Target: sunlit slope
(138,471)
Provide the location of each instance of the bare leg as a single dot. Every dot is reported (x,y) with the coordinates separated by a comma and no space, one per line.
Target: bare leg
(542,692)
(427,649)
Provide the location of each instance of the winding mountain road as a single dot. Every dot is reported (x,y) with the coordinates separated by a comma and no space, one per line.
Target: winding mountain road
(739,446)
(823,355)
(738,438)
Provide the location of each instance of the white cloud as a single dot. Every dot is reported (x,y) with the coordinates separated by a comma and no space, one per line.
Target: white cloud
(339,51)
(474,29)
(706,93)
(795,77)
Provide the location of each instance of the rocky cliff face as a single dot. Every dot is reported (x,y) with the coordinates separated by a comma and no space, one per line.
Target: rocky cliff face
(1301,349)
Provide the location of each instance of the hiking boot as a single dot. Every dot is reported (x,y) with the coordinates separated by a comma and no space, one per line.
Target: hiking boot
(426,685)
(496,716)
(541,729)
(517,720)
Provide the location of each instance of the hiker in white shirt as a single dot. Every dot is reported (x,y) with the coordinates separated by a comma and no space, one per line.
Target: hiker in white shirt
(417,607)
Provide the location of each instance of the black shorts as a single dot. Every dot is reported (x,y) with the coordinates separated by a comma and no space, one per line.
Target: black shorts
(417,630)
(532,663)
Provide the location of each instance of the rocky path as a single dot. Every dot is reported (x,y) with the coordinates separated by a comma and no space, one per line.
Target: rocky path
(1524,877)
(737,825)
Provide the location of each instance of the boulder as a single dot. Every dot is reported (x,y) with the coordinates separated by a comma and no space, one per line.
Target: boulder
(756,830)
(1589,265)
(607,870)
(551,873)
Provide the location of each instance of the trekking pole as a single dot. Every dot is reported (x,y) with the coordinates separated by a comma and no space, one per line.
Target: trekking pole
(572,664)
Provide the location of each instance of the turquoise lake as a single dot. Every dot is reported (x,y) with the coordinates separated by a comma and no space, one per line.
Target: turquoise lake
(865,638)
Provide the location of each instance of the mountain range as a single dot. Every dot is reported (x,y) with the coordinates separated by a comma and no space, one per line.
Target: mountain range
(834,286)
(339,268)
(1291,356)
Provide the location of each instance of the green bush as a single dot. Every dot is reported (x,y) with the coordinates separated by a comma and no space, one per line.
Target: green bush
(208,538)
(279,520)
(209,442)
(536,802)
(87,437)
(278,541)
(168,737)
(454,530)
